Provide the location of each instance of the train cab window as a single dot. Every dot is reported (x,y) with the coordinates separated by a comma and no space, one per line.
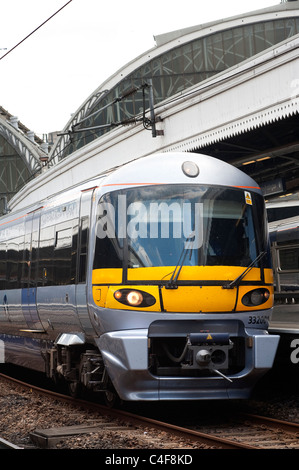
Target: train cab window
(152,226)
(109,246)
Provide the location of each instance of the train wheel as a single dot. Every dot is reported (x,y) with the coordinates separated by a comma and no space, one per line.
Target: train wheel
(111,397)
(74,389)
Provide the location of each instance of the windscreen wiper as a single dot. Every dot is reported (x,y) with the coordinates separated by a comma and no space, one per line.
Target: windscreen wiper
(236,282)
(172,283)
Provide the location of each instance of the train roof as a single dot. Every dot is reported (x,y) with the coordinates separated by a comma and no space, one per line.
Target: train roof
(168,168)
(284,230)
(158,168)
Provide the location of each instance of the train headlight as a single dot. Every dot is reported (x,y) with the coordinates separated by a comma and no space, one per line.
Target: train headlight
(134,298)
(190,169)
(118,295)
(255,297)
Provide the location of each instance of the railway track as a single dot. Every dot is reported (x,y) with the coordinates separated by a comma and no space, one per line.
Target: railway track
(257,432)
(241,431)
(4,444)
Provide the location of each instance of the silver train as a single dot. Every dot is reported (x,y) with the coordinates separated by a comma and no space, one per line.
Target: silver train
(284,236)
(150,282)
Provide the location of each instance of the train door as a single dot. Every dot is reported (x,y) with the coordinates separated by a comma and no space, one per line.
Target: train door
(29,272)
(83,236)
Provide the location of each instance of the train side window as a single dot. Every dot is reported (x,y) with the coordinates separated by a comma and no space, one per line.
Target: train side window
(83,249)
(12,263)
(26,260)
(63,253)
(74,251)
(46,257)
(3,266)
(63,238)
(21,261)
(34,259)
(289,258)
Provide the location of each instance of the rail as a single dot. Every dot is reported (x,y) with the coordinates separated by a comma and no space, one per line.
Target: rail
(242,431)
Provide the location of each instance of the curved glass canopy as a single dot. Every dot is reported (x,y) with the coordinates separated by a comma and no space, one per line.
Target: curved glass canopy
(14,172)
(171,72)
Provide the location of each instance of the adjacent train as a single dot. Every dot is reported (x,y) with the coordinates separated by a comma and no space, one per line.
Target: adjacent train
(152,281)
(284,237)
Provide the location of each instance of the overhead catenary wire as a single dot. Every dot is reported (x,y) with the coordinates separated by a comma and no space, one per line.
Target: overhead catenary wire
(32,32)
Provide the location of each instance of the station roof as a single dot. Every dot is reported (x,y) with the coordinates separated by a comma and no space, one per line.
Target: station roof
(21,155)
(179,60)
(165,38)
(192,72)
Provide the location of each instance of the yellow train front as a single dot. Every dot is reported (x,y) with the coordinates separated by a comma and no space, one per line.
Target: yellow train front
(181,287)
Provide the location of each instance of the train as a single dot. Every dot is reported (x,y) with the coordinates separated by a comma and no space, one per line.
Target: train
(281,210)
(284,239)
(151,281)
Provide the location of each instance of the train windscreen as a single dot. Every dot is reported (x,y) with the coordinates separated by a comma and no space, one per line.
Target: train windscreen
(155,225)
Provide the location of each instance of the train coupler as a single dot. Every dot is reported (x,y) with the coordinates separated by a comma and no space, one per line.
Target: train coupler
(208,351)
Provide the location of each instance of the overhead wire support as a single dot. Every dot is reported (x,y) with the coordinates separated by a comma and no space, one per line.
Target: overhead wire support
(116,100)
(103,126)
(152,111)
(148,124)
